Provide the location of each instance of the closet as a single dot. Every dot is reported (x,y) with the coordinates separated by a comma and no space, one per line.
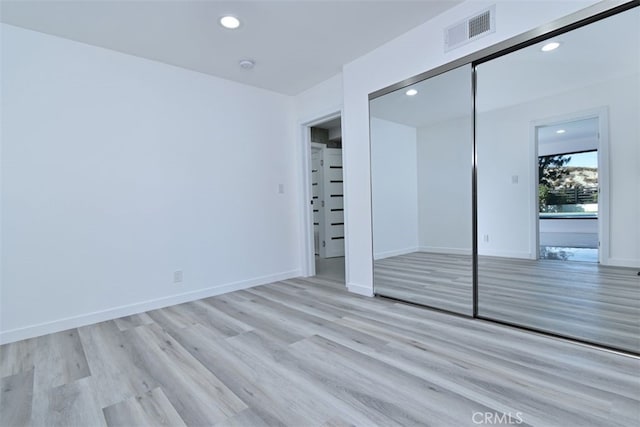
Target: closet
(463,188)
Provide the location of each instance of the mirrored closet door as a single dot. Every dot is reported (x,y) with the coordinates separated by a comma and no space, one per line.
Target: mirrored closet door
(421,173)
(558,184)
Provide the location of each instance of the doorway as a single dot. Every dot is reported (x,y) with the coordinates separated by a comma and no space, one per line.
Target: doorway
(568,190)
(327,198)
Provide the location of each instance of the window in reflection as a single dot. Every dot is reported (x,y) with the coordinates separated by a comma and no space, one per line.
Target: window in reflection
(568,190)
(568,185)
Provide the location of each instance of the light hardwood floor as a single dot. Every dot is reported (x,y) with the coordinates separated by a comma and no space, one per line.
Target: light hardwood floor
(442,281)
(304,352)
(587,301)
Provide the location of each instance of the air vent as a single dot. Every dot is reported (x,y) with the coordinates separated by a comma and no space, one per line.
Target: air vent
(470,29)
(480,24)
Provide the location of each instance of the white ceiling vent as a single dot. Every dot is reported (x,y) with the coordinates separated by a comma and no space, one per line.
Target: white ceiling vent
(470,29)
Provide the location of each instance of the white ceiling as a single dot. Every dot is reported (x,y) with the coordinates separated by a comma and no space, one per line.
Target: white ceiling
(443,97)
(586,129)
(589,55)
(295,44)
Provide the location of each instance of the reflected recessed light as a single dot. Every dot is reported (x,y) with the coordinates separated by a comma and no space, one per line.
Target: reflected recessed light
(230,22)
(550,46)
(560,131)
(411,92)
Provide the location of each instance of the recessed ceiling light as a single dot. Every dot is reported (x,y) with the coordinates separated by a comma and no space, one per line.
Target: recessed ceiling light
(230,22)
(560,131)
(411,92)
(550,46)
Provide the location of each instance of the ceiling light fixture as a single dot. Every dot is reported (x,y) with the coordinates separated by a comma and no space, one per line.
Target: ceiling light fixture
(411,92)
(247,64)
(230,22)
(560,131)
(550,46)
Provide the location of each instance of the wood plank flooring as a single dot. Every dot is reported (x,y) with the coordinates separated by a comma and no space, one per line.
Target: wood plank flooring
(305,352)
(595,303)
(436,280)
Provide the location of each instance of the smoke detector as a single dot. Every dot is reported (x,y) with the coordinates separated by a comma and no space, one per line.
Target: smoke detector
(247,64)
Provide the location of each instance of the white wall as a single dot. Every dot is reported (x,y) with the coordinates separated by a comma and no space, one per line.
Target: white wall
(320,100)
(505,206)
(416,51)
(504,150)
(117,171)
(444,186)
(575,233)
(394,179)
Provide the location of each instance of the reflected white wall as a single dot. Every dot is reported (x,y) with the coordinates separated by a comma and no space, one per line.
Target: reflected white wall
(505,209)
(394,188)
(444,155)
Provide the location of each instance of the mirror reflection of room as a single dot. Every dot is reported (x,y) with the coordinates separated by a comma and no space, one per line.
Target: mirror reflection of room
(421,152)
(557,136)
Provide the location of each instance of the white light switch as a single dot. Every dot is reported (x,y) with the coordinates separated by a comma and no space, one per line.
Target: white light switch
(514,179)
(281,188)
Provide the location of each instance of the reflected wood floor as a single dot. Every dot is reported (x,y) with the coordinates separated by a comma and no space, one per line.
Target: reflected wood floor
(587,301)
(436,280)
(305,352)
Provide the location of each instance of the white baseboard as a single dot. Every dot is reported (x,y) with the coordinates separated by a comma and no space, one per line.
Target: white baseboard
(139,307)
(507,254)
(451,251)
(623,262)
(396,252)
(367,291)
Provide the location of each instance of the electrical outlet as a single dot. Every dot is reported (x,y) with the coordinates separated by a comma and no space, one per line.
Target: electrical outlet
(177,276)
(485,238)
